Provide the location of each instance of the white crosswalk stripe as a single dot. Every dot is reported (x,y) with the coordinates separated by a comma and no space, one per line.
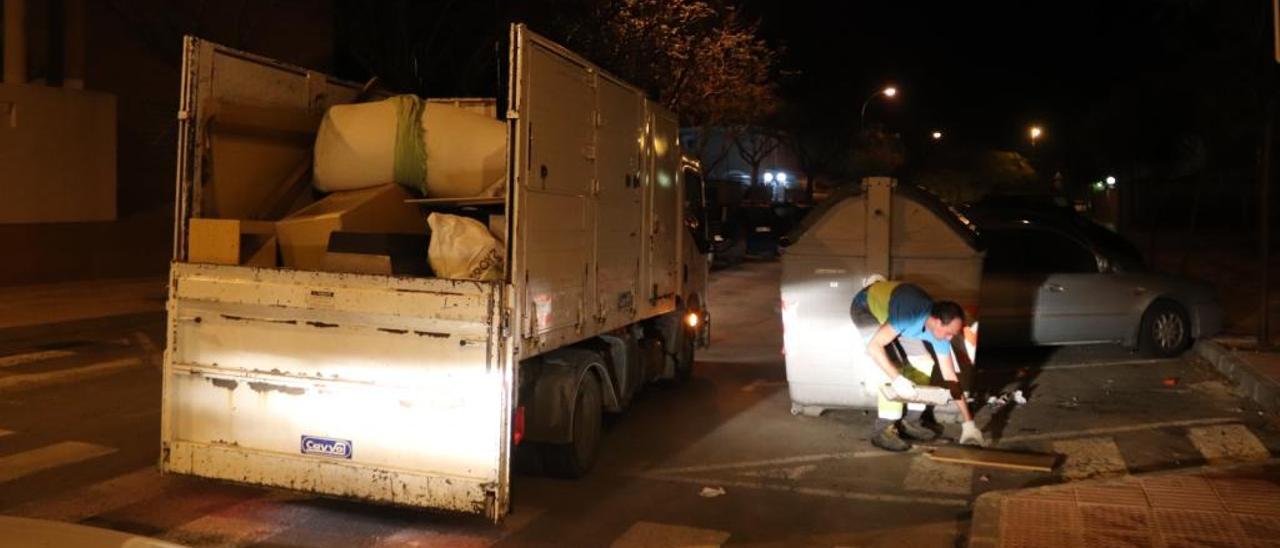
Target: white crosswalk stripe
(31,357)
(50,456)
(4,432)
(646,534)
(69,375)
(1227,443)
(1090,457)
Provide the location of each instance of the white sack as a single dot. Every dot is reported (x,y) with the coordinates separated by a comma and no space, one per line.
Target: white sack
(462,248)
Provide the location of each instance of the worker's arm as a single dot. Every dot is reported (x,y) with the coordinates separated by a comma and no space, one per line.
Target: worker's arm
(949,374)
(882,337)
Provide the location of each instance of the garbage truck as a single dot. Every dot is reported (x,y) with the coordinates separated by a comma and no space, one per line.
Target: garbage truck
(880,229)
(310,348)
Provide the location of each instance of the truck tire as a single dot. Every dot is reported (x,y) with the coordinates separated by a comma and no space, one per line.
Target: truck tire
(574,459)
(1165,330)
(686,340)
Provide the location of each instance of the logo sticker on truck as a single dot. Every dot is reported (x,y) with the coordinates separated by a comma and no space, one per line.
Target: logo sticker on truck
(328,447)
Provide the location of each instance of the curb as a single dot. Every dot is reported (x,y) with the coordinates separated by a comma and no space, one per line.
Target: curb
(1249,381)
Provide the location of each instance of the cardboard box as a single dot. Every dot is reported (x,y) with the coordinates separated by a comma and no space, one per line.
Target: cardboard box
(232,242)
(304,236)
(389,254)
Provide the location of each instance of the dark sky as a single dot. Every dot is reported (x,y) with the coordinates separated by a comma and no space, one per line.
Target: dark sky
(979,70)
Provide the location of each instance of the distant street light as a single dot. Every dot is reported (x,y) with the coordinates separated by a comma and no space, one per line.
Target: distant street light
(937,135)
(1036,132)
(888,91)
(1111,181)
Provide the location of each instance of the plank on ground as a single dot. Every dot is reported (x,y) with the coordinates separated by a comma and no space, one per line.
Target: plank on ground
(995,458)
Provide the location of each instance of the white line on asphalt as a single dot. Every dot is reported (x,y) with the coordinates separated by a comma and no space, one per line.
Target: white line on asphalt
(97,499)
(68,375)
(1230,443)
(1087,365)
(1090,457)
(1116,429)
(772,462)
(50,456)
(4,432)
(643,534)
(29,357)
(830,493)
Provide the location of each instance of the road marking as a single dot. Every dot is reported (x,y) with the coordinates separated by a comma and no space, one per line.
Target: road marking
(1090,457)
(926,474)
(760,384)
(830,493)
(791,473)
(799,459)
(646,534)
(4,432)
(96,499)
(69,375)
(1088,365)
(20,359)
(1118,429)
(1227,444)
(149,349)
(450,532)
(241,524)
(50,456)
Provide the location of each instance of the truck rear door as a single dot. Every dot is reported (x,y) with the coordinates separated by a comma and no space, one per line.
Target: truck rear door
(381,388)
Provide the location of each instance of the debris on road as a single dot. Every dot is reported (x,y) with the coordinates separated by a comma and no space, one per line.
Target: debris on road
(711,492)
(1004,399)
(1171,381)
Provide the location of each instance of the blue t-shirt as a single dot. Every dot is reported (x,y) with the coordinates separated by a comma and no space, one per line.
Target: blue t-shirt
(907,309)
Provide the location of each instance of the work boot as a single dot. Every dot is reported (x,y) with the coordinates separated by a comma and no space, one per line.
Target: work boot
(915,430)
(887,438)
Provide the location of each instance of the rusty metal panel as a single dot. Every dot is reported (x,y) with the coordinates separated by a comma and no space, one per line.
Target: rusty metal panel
(388,389)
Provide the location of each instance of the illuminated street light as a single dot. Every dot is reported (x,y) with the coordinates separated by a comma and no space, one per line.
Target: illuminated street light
(1036,132)
(937,135)
(768,177)
(1111,180)
(782,177)
(888,91)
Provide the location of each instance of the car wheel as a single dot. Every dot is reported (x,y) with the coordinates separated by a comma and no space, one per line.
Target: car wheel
(1166,329)
(574,459)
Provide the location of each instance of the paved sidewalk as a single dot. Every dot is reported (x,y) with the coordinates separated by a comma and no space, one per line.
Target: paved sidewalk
(46,309)
(1254,372)
(1229,506)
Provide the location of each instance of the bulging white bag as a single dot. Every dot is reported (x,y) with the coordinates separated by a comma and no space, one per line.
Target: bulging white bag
(462,248)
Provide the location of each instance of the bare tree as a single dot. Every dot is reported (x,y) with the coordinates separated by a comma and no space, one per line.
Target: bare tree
(754,145)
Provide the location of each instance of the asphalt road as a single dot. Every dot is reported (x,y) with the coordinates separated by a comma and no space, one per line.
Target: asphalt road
(719,460)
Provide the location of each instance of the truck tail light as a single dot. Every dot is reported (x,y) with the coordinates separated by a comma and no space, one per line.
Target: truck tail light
(517,430)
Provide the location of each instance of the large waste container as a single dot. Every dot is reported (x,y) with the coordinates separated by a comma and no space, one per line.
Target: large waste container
(884,228)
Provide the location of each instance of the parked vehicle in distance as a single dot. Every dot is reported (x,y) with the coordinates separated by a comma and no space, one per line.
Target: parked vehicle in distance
(1053,279)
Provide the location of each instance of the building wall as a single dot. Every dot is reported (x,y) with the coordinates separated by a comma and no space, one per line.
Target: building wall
(133,51)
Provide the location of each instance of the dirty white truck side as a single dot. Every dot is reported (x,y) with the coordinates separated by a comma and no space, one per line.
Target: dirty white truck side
(411,390)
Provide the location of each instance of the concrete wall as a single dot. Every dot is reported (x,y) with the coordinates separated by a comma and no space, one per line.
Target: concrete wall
(133,51)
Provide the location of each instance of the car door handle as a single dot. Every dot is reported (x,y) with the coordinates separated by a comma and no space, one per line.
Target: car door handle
(1055,288)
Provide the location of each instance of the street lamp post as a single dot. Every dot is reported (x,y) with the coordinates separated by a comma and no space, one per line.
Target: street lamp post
(888,91)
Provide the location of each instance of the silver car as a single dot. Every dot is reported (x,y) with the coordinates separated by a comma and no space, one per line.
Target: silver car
(1051,283)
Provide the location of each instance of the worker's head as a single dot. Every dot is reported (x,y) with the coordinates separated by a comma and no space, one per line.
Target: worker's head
(946,320)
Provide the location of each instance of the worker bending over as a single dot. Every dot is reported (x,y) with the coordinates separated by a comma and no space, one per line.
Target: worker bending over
(884,311)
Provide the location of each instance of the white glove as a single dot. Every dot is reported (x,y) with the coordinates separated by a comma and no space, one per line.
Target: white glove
(904,387)
(970,435)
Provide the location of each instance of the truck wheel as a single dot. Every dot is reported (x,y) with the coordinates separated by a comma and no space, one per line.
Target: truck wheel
(685,343)
(574,459)
(1166,330)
